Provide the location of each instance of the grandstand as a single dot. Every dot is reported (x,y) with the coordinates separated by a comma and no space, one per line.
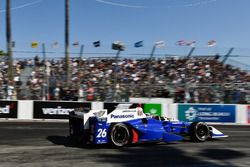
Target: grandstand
(199,79)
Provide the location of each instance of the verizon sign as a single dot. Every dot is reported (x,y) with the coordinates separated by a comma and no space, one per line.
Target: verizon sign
(8,109)
(57,110)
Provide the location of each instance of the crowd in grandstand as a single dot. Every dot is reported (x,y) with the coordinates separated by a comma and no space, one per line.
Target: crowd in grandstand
(11,90)
(198,80)
(191,80)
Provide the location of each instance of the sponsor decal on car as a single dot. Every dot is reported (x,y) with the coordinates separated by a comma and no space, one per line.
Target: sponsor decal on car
(121,116)
(129,110)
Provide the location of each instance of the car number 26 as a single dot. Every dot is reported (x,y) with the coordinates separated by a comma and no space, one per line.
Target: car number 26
(101,133)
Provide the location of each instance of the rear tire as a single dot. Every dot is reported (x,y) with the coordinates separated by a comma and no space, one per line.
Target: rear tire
(199,131)
(119,135)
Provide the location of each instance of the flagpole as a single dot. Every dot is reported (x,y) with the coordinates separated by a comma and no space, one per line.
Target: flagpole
(67,61)
(227,55)
(80,56)
(191,52)
(150,68)
(153,51)
(119,47)
(44,70)
(9,40)
(116,67)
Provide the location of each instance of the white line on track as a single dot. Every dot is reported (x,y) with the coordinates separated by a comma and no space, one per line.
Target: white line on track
(30,128)
(236,131)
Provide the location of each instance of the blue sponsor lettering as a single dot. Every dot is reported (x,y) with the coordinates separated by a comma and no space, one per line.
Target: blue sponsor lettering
(122,116)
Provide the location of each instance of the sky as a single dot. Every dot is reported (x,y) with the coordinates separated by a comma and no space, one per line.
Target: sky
(225,21)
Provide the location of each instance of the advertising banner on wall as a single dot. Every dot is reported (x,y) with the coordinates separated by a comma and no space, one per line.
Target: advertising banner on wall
(57,110)
(206,113)
(248,114)
(8,109)
(154,109)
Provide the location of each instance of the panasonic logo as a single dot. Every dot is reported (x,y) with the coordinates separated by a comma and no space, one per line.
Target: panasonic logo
(5,110)
(57,111)
(121,116)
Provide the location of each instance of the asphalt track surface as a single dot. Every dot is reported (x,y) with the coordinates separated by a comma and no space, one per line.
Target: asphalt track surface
(42,144)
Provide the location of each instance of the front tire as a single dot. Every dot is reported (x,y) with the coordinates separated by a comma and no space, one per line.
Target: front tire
(199,131)
(119,135)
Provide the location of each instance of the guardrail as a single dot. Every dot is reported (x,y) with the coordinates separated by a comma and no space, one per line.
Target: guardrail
(53,110)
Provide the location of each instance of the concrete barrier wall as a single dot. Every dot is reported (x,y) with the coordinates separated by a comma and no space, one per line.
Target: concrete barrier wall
(25,109)
(241,115)
(173,109)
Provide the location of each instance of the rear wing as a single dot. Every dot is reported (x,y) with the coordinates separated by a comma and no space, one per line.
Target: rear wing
(118,115)
(85,116)
(123,115)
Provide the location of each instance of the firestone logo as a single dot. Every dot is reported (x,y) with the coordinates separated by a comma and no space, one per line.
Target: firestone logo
(191,114)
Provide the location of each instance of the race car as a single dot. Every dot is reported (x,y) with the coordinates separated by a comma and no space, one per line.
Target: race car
(125,126)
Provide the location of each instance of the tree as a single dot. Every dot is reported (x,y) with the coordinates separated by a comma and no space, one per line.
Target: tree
(9,39)
(2,53)
(67,41)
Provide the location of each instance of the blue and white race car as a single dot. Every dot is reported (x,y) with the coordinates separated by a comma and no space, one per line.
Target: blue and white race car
(124,126)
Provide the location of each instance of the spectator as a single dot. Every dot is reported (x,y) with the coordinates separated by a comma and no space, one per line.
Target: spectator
(187,80)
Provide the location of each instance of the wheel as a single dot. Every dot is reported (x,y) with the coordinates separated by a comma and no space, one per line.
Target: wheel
(199,131)
(119,135)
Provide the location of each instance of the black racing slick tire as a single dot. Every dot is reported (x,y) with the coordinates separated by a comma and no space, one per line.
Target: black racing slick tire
(119,135)
(199,131)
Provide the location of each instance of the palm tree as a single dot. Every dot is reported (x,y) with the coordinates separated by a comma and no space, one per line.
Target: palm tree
(67,41)
(9,39)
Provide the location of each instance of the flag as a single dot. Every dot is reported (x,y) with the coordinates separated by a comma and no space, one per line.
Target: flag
(138,44)
(76,44)
(190,43)
(185,43)
(55,45)
(211,43)
(118,46)
(159,44)
(180,42)
(13,44)
(97,43)
(34,44)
